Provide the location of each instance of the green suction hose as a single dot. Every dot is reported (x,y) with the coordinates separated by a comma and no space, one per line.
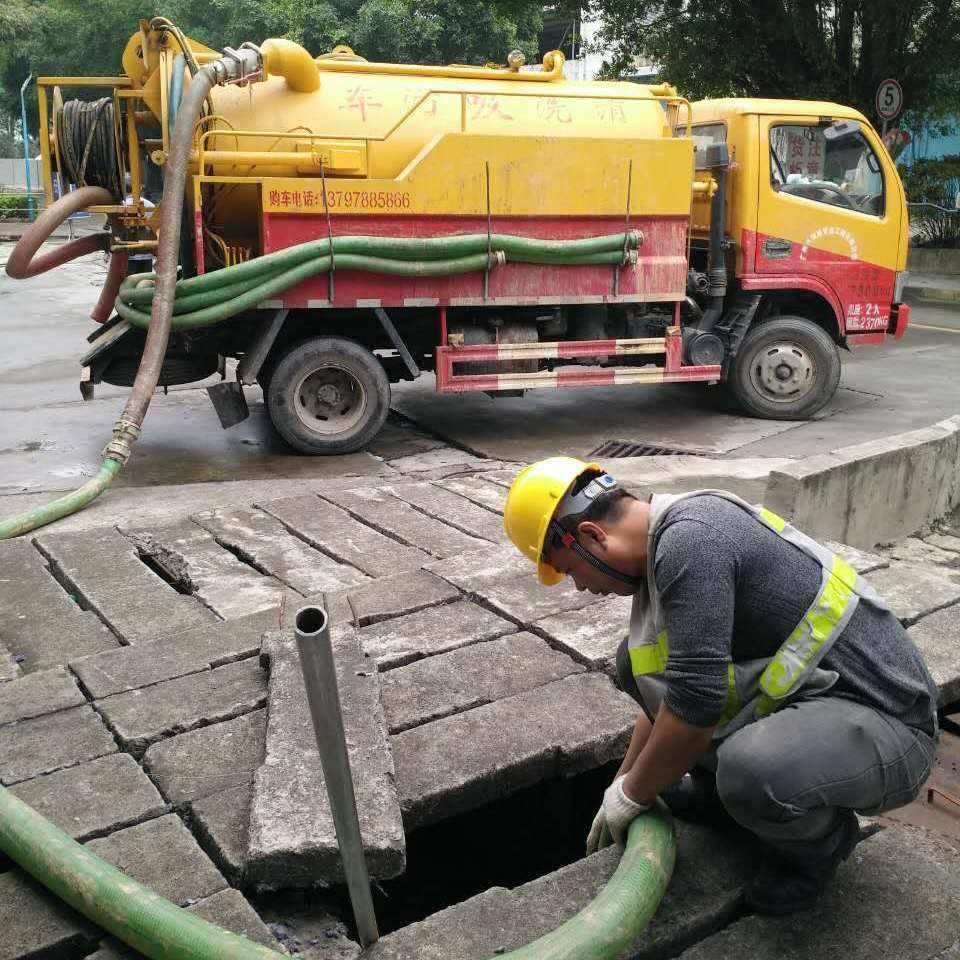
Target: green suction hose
(162,931)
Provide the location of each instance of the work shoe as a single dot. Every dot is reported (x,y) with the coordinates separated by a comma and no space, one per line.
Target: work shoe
(694,798)
(783,885)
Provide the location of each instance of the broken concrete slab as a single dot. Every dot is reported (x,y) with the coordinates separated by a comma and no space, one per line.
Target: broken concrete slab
(144,716)
(384,598)
(44,744)
(897,896)
(445,456)
(561,729)
(478,488)
(93,799)
(944,541)
(45,691)
(209,760)
(501,577)
(451,508)
(915,550)
(43,626)
(163,856)
(469,677)
(168,657)
(861,560)
(104,569)
(9,667)
(383,511)
(292,838)
(266,544)
(590,635)
(913,592)
(221,822)
(328,528)
(191,557)
(937,636)
(37,924)
(401,640)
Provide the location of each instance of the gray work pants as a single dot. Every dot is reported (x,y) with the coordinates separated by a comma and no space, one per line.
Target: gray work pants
(793,776)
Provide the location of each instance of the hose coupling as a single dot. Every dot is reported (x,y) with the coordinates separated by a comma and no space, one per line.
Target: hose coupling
(718,282)
(239,66)
(635,238)
(125,435)
(496,258)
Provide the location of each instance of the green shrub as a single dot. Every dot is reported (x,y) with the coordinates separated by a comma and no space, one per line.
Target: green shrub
(13,206)
(937,183)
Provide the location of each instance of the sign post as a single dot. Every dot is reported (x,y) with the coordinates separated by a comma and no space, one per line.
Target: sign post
(889,102)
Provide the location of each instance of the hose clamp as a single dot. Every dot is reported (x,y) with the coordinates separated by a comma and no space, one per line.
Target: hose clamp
(120,447)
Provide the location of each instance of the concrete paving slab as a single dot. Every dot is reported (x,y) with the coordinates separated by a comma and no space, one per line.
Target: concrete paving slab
(912,591)
(332,530)
(95,798)
(915,550)
(945,541)
(163,856)
(479,489)
(438,458)
(500,577)
(142,717)
(176,655)
(104,569)
(393,517)
(469,677)
(590,635)
(861,560)
(561,729)
(897,896)
(268,546)
(937,636)
(9,668)
(438,629)
(191,557)
(386,597)
(221,821)
(209,760)
(450,507)
(45,691)
(42,625)
(292,838)
(44,744)
(36,924)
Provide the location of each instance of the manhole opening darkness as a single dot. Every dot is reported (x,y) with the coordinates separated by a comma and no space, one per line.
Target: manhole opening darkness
(506,843)
(614,449)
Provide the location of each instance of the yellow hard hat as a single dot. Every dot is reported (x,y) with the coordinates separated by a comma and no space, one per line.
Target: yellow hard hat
(534,497)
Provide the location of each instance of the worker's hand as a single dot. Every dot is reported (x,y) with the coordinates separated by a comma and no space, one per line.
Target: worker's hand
(617,811)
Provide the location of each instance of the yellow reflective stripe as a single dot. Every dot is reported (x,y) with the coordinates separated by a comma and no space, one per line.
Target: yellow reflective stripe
(772,520)
(813,631)
(650,657)
(733,704)
(765,706)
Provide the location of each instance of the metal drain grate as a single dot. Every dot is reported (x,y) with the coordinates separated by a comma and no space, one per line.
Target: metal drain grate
(613,449)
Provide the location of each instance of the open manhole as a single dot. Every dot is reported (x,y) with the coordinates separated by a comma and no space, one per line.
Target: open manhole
(614,449)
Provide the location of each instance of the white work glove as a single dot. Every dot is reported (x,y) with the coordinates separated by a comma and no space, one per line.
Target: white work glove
(614,816)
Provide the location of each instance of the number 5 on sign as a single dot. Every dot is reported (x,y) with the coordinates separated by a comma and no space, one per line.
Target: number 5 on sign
(889,100)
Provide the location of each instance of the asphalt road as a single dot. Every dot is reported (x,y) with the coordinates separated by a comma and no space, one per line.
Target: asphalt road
(51,440)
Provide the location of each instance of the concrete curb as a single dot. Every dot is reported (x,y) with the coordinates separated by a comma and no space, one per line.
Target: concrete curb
(931,295)
(872,492)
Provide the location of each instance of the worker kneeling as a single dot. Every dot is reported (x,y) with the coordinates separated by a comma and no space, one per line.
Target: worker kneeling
(777,687)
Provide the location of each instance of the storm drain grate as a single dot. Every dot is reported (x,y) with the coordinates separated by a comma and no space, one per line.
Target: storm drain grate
(623,448)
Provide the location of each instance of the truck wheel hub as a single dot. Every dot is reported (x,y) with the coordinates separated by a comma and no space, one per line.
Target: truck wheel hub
(783,371)
(330,400)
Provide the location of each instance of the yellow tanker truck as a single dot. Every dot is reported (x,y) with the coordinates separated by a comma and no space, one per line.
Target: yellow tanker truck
(337,225)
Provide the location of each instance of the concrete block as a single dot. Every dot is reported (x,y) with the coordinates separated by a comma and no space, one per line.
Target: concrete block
(9,668)
(442,457)
(387,597)
(912,592)
(861,560)
(453,765)
(915,550)
(469,677)
(873,492)
(450,507)
(897,896)
(44,744)
(264,543)
(191,557)
(42,624)
(434,630)
(221,822)
(208,760)
(590,635)
(93,799)
(45,691)
(37,925)
(479,489)
(292,839)
(944,541)
(105,570)
(162,855)
(176,655)
(332,530)
(393,517)
(505,580)
(938,639)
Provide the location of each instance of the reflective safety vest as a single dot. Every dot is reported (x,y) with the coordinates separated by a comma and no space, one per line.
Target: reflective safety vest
(755,688)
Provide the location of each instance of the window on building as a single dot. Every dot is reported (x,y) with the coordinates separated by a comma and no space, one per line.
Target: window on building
(830,163)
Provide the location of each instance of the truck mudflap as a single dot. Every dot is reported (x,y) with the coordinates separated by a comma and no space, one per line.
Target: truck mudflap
(899,320)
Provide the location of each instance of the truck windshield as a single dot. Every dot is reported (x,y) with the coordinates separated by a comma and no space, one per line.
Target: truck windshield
(834,165)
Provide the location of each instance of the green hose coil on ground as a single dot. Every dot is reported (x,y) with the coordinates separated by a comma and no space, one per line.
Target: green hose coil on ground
(162,931)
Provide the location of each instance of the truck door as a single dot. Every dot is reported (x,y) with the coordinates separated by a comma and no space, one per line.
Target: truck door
(829,216)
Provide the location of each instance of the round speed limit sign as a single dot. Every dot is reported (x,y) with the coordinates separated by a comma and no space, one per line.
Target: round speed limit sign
(889,99)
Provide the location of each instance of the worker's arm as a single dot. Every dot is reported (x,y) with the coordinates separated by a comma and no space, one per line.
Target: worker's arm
(638,740)
(672,748)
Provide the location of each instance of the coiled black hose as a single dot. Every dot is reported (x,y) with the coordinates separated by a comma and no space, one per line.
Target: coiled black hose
(86,143)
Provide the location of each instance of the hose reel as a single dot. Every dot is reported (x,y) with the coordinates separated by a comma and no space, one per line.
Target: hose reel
(86,143)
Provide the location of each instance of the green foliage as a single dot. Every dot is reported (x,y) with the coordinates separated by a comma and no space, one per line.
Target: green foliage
(13,206)
(934,183)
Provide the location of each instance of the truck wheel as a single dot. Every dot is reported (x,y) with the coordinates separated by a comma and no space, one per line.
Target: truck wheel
(787,368)
(328,395)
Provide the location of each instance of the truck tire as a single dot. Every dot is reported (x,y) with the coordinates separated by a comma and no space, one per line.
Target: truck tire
(328,395)
(787,368)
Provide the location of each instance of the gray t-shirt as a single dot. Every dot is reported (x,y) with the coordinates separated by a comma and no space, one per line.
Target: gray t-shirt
(731,589)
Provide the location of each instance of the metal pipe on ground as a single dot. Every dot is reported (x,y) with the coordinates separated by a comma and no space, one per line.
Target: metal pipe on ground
(323,697)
